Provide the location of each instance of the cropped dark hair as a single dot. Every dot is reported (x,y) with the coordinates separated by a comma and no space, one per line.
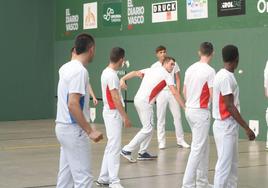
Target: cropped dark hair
(206,48)
(230,53)
(83,42)
(116,54)
(160,48)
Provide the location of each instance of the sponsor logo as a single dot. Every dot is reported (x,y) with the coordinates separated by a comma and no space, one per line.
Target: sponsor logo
(71,21)
(164,12)
(112,14)
(262,6)
(135,14)
(231,7)
(90,16)
(197,9)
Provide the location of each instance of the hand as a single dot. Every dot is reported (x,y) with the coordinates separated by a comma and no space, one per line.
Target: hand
(250,134)
(95,135)
(123,84)
(140,74)
(127,123)
(95,101)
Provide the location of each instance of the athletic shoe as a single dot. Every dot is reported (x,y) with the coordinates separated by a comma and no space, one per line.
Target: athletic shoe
(266,148)
(127,155)
(146,156)
(101,184)
(116,185)
(161,146)
(183,144)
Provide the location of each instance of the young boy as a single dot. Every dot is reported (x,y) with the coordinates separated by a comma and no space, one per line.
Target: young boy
(114,115)
(164,99)
(197,91)
(226,112)
(154,80)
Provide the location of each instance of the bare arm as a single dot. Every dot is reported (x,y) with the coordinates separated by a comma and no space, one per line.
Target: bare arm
(177,96)
(75,110)
(129,76)
(184,92)
(91,92)
(178,81)
(229,102)
(119,106)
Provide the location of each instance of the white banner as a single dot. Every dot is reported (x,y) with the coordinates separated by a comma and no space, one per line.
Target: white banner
(164,12)
(197,9)
(92,114)
(90,16)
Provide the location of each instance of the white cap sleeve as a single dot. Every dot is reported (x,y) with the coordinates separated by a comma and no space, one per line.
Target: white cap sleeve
(78,83)
(225,87)
(113,82)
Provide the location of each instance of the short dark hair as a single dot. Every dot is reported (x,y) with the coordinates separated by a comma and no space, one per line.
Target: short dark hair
(206,48)
(167,59)
(160,48)
(116,54)
(230,53)
(83,42)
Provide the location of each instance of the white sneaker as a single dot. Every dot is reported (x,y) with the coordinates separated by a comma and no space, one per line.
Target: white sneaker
(183,144)
(162,146)
(266,148)
(116,185)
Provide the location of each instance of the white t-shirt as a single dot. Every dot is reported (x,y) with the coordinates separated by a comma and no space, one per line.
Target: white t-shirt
(109,81)
(174,71)
(73,78)
(224,84)
(154,80)
(198,79)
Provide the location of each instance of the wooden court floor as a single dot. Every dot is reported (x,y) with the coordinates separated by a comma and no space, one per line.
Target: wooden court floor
(29,154)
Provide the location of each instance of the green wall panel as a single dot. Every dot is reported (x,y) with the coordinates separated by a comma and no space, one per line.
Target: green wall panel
(26,73)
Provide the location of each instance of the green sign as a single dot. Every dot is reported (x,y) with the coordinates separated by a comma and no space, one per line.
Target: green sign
(118,17)
(112,14)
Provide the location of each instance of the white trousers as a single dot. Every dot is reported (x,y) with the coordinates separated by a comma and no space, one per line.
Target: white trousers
(226,139)
(196,172)
(144,136)
(164,99)
(111,159)
(266,117)
(75,156)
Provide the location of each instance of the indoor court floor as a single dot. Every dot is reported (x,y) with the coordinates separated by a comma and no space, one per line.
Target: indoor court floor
(29,155)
